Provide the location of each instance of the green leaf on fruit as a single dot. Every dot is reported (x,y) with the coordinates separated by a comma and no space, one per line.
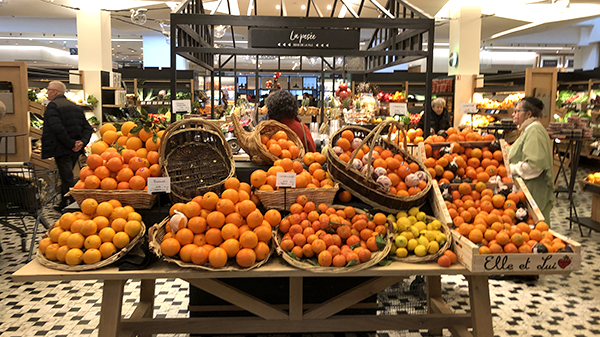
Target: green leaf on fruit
(386,262)
(355,245)
(314,262)
(136,129)
(380,241)
(293,256)
(352,263)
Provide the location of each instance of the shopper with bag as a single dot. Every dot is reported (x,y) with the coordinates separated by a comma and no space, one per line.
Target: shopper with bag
(530,156)
(66,133)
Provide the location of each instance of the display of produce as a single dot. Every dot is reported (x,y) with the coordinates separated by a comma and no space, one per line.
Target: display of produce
(395,174)
(314,177)
(386,97)
(568,97)
(416,234)
(121,160)
(279,145)
(477,121)
(321,235)
(465,162)
(594,178)
(507,103)
(217,231)
(97,233)
(574,127)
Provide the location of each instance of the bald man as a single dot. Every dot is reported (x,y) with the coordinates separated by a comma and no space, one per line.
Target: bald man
(66,132)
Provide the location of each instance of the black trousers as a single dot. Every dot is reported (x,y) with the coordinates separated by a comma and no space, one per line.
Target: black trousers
(65,165)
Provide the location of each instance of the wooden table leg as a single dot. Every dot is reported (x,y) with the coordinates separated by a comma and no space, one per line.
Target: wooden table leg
(434,290)
(481,310)
(110,312)
(296,300)
(145,308)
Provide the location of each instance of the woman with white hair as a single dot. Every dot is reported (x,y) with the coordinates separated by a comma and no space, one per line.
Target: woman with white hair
(439,118)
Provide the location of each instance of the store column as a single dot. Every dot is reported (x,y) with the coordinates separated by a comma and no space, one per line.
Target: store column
(463,61)
(95,50)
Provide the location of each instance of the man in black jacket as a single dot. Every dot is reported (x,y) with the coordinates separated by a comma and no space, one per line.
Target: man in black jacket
(66,132)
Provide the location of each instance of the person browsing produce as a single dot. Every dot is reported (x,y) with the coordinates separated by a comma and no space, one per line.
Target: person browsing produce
(65,134)
(530,157)
(439,117)
(283,107)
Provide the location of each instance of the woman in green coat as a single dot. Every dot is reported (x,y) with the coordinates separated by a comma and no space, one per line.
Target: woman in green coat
(530,156)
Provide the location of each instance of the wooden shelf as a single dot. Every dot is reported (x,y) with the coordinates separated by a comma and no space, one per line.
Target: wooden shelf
(112,88)
(112,106)
(35,132)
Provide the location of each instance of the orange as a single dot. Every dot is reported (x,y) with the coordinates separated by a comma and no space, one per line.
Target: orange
(231,246)
(134,143)
(344,144)
(215,219)
(248,239)
(246,257)
(124,175)
(254,219)
(170,247)
(217,257)
(273,217)
(246,207)
(258,178)
(137,183)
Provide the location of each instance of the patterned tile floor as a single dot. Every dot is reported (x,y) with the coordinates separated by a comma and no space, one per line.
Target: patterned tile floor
(554,305)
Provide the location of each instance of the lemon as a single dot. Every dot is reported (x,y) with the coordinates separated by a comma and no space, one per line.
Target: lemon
(420,225)
(420,250)
(401,252)
(408,235)
(433,247)
(436,224)
(403,224)
(429,227)
(441,238)
(401,241)
(412,220)
(391,218)
(413,211)
(421,216)
(414,231)
(430,236)
(423,241)
(412,243)
(401,214)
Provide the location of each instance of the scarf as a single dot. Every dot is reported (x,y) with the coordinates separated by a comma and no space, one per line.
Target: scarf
(527,123)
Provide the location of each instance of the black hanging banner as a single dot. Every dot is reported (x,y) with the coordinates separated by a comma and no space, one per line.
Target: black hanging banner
(304,38)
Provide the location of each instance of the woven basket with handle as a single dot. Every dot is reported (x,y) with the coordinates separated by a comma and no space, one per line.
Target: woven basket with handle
(252,145)
(376,257)
(364,186)
(156,234)
(197,158)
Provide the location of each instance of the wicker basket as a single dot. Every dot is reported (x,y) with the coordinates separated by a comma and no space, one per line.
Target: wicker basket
(133,198)
(250,141)
(103,263)
(430,257)
(283,199)
(156,234)
(197,158)
(376,257)
(365,188)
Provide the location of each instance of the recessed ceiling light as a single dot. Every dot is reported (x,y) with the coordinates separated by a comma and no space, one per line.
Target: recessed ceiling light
(303,7)
(118,45)
(328,7)
(277,7)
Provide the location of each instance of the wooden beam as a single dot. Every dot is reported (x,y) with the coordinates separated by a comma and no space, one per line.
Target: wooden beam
(110,311)
(479,295)
(296,298)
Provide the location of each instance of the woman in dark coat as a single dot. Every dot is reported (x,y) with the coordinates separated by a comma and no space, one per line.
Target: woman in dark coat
(439,118)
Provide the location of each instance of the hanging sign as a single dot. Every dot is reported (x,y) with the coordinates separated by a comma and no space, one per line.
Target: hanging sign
(399,109)
(159,184)
(304,38)
(468,108)
(287,180)
(182,105)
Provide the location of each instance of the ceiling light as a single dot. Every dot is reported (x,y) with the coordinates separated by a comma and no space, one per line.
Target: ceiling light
(4,2)
(303,7)
(172,4)
(220,31)
(277,7)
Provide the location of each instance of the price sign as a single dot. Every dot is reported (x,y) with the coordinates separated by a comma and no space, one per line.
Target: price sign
(286,180)
(182,105)
(159,185)
(468,108)
(400,109)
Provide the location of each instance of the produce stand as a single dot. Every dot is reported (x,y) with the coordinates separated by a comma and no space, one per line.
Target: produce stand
(271,319)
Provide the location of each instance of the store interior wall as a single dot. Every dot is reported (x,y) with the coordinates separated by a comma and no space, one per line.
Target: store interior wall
(157,53)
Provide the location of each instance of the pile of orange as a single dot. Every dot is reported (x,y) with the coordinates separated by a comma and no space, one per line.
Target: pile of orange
(414,136)
(213,229)
(108,169)
(279,145)
(94,234)
(397,167)
(479,204)
(453,135)
(314,177)
(478,164)
(335,238)
(505,238)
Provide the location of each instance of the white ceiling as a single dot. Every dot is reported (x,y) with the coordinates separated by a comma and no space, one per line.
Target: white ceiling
(24,22)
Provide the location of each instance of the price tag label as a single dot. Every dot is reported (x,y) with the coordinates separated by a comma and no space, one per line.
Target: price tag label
(400,109)
(468,108)
(182,105)
(159,185)
(286,180)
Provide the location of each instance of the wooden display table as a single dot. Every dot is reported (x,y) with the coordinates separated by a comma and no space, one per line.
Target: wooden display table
(272,319)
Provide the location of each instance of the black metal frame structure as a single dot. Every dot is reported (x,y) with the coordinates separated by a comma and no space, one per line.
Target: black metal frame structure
(399,34)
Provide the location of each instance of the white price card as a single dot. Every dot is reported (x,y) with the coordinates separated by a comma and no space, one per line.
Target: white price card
(400,109)
(468,108)
(182,105)
(285,179)
(159,184)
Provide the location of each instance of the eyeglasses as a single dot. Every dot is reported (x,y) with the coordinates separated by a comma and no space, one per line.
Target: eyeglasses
(517,111)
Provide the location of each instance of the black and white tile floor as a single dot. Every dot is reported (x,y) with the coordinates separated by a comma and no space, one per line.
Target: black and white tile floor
(554,305)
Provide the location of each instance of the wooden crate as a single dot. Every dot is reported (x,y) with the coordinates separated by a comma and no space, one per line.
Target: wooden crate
(524,264)
(440,211)
(42,164)
(37,108)
(35,132)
